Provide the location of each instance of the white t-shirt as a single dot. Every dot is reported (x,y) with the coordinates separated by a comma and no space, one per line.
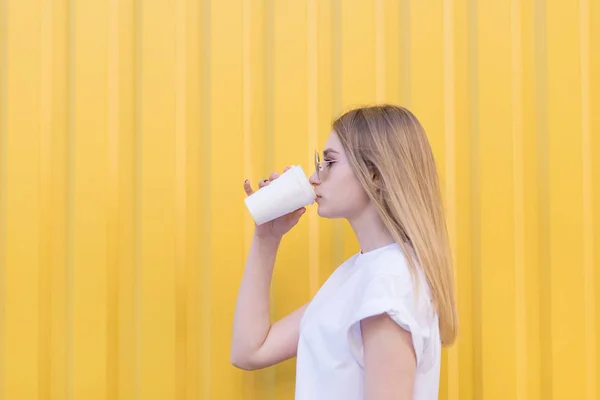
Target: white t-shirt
(330,352)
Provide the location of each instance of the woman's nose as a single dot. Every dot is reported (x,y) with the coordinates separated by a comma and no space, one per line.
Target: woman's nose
(314,179)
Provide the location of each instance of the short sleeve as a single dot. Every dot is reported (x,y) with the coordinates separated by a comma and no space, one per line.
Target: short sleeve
(394,296)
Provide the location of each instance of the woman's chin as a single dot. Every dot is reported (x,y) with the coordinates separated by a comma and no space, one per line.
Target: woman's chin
(328,213)
(322,212)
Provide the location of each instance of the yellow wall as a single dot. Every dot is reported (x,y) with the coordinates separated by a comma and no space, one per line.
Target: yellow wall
(128,127)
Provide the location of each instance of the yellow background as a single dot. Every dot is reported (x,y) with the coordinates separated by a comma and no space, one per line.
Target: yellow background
(128,127)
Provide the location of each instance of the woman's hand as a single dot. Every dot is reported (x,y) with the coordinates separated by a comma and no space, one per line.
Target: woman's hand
(279,226)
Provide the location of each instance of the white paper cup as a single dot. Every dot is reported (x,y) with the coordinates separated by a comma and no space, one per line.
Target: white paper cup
(289,192)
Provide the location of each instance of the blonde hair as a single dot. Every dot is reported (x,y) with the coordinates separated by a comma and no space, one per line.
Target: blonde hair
(390,154)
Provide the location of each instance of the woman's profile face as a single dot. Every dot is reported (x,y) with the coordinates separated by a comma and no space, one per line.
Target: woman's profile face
(339,193)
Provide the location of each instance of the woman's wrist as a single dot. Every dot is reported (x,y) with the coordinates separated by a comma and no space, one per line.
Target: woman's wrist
(268,238)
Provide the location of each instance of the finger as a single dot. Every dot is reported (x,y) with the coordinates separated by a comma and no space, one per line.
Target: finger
(273,176)
(248,187)
(299,212)
(286,168)
(262,183)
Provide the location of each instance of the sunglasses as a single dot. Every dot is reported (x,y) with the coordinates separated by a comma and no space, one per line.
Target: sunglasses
(320,166)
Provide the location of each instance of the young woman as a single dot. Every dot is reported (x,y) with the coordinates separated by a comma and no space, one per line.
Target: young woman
(376,328)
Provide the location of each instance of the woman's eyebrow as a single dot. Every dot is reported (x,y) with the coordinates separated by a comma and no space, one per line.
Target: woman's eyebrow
(326,152)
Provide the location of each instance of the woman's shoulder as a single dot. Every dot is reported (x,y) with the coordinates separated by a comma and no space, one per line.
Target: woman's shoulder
(385,284)
(388,278)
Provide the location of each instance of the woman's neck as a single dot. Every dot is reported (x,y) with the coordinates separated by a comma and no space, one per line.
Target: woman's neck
(370,230)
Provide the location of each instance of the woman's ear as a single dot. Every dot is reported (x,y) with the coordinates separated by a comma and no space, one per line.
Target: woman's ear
(375,176)
(377,183)
(373,172)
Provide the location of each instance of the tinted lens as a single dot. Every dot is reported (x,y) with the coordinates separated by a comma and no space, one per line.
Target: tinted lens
(317,160)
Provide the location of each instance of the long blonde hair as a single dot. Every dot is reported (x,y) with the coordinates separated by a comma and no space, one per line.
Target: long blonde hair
(390,154)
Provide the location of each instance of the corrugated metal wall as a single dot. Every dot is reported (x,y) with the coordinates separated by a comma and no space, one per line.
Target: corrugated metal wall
(128,127)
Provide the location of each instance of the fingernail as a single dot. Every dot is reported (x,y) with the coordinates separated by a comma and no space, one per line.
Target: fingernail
(246,181)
